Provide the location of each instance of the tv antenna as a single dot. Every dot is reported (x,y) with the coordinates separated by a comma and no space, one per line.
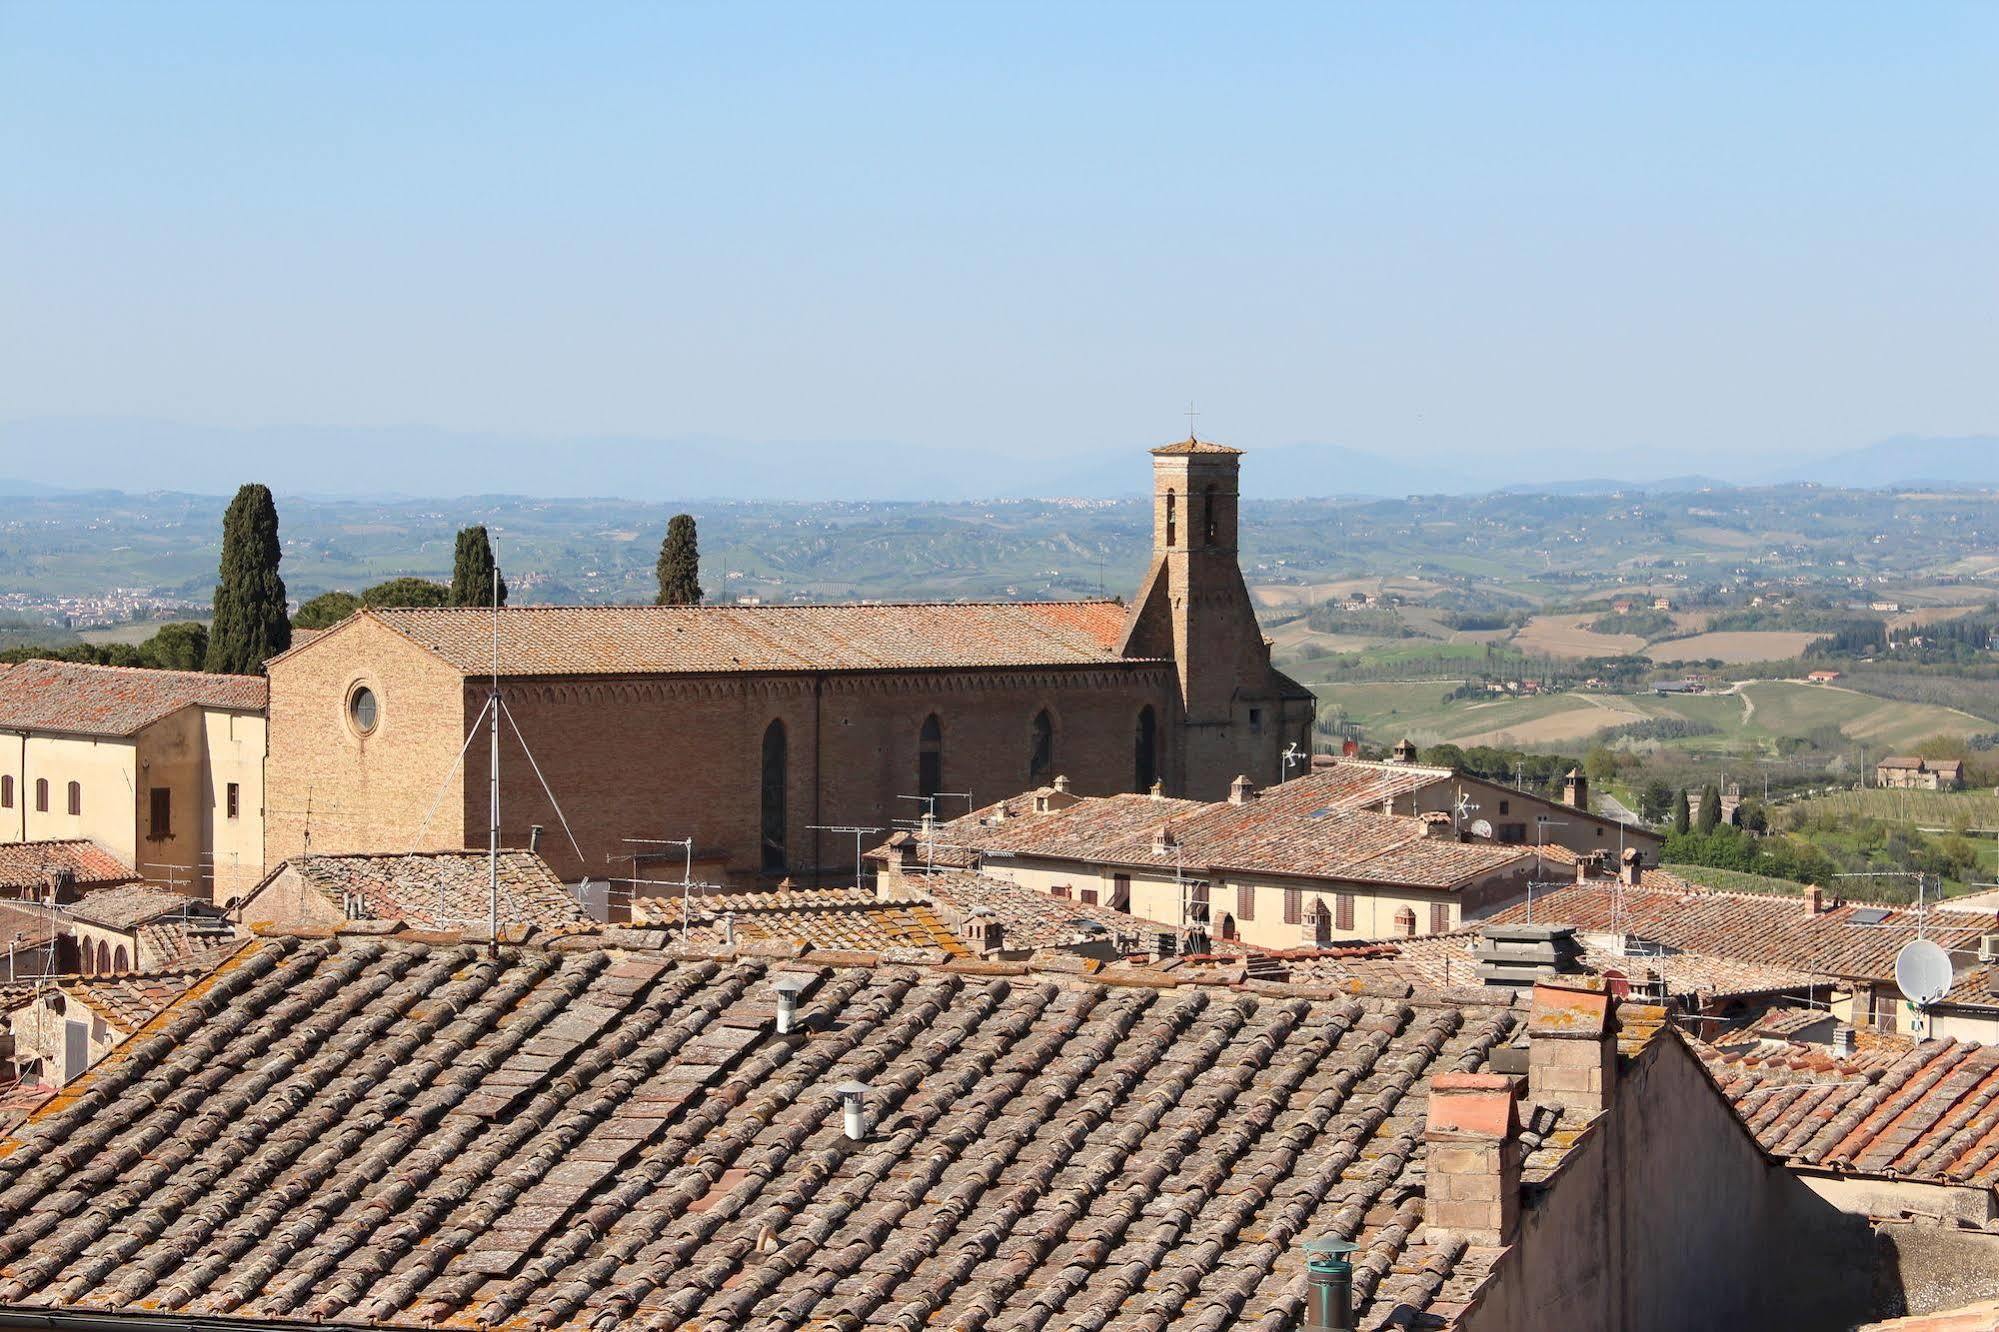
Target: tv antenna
(858,834)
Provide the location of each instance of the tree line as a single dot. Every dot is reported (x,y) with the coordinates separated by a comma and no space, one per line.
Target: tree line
(251,623)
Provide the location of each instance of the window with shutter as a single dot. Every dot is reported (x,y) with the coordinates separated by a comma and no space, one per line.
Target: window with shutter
(1294,905)
(1343,903)
(1440,917)
(1245,901)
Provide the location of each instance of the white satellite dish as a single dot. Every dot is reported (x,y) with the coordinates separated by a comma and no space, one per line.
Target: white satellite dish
(1922,972)
(1481,829)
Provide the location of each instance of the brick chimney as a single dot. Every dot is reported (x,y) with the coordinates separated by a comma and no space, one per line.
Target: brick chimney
(1241,790)
(1472,1189)
(1632,867)
(1571,1049)
(1405,750)
(1814,899)
(1436,823)
(1575,790)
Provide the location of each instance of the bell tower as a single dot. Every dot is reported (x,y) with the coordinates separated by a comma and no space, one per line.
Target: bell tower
(1194,608)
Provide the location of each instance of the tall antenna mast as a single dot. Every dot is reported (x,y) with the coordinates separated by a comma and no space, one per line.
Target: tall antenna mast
(493,783)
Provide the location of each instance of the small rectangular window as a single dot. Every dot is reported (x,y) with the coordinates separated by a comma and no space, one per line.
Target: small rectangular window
(1440,917)
(1060,891)
(7,792)
(235,798)
(1256,721)
(1343,911)
(1245,902)
(1294,905)
(1506,807)
(1087,896)
(162,821)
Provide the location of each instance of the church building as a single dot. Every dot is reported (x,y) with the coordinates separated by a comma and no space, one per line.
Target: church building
(757,731)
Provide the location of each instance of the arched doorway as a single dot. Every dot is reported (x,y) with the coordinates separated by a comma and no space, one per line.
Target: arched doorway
(1041,750)
(775,780)
(1228,927)
(1322,924)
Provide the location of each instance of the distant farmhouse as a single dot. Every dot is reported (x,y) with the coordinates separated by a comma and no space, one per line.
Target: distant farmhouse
(754,729)
(1912,773)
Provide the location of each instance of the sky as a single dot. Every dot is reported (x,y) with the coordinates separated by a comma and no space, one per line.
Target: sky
(1520,239)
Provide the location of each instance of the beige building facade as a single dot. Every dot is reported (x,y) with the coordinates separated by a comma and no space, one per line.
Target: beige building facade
(163,769)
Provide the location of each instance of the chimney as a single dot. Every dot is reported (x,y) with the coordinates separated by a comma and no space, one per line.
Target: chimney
(788,986)
(1472,1190)
(1436,823)
(1571,1049)
(534,839)
(853,1100)
(1814,899)
(1633,867)
(1842,1041)
(1062,784)
(1163,841)
(1241,791)
(1328,1285)
(1405,750)
(1575,790)
(1158,790)
(728,929)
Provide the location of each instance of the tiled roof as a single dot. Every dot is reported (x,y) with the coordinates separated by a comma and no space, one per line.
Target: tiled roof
(436,889)
(79,699)
(831,919)
(30,926)
(129,1000)
(683,640)
(414,1134)
(26,867)
(178,940)
(1034,919)
(1980,1317)
(1703,973)
(1931,1114)
(1748,927)
(130,905)
(1317,826)
(1183,447)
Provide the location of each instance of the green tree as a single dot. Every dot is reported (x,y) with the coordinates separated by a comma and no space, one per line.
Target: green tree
(406,592)
(473,570)
(1600,765)
(1655,801)
(250,625)
(679,566)
(1710,815)
(326,610)
(177,647)
(1682,818)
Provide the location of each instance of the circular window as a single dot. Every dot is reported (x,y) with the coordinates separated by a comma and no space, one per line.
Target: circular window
(361,709)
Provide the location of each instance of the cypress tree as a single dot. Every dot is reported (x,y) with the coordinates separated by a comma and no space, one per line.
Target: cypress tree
(250,622)
(1710,816)
(473,570)
(679,566)
(1682,816)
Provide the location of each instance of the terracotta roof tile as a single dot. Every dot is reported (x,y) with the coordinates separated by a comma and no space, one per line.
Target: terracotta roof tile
(1748,927)
(434,889)
(131,905)
(79,699)
(582,1138)
(678,640)
(26,867)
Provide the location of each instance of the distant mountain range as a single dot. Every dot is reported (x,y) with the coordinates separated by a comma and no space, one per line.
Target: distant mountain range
(379,462)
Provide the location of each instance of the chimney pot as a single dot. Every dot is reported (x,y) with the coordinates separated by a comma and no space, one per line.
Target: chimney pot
(853,1101)
(1241,791)
(788,985)
(1061,783)
(1158,791)
(1572,1049)
(1814,899)
(1842,1041)
(534,838)
(1473,1135)
(1633,870)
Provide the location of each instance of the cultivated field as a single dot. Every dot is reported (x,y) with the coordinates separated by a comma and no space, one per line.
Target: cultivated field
(1564,636)
(1786,708)
(1924,809)
(1730,648)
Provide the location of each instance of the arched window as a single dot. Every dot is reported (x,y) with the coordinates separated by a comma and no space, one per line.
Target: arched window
(1145,751)
(1172,518)
(1228,928)
(930,757)
(103,956)
(76,797)
(1210,525)
(41,795)
(1041,756)
(7,791)
(774,792)
(119,962)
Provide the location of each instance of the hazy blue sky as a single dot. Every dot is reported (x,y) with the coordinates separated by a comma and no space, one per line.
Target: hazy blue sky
(1630,231)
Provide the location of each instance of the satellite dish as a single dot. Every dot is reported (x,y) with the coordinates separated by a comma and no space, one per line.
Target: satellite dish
(1922,972)
(1481,829)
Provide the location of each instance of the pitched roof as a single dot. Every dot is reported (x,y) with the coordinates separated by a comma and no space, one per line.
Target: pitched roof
(80,699)
(434,889)
(26,867)
(1190,445)
(583,1138)
(129,1000)
(1930,1114)
(695,640)
(30,926)
(834,919)
(1749,927)
(1316,826)
(130,905)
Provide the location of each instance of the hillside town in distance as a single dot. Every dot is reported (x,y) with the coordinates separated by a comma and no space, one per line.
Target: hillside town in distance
(418,956)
